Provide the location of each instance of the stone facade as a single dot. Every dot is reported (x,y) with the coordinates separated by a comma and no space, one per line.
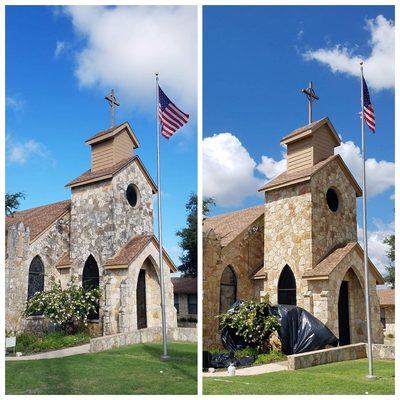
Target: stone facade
(244,255)
(302,234)
(100,222)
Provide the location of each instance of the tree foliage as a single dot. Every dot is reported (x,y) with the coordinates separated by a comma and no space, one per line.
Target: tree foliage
(68,307)
(252,321)
(390,269)
(13,202)
(188,236)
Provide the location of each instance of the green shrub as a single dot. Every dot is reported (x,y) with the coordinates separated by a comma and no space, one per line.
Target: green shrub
(272,356)
(52,341)
(69,308)
(252,321)
(247,352)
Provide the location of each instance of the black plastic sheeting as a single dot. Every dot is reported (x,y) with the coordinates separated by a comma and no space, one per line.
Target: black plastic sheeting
(223,360)
(300,331)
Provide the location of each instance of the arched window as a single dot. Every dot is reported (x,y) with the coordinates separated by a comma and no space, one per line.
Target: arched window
(287,287)
(228,289)
(36,277)
(90,280)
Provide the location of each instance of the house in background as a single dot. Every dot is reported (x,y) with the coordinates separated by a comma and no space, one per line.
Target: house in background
(185,300)
(386,304)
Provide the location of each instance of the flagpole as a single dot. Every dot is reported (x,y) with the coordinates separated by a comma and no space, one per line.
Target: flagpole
(370,375)
(165,355)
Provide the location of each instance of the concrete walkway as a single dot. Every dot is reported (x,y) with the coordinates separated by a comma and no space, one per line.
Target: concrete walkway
(255,370)
(68,351)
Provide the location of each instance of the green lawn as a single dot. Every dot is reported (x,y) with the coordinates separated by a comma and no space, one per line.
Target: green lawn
(135,369)
(338,378)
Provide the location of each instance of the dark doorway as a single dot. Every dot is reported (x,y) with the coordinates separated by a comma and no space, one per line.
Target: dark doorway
(343,311)
(287,287)
(141,300)
(90,280)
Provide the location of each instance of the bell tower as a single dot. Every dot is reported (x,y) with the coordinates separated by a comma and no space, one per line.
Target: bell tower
(310,209)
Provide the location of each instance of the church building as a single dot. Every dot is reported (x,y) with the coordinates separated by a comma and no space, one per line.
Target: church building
(103,235)
(300,247)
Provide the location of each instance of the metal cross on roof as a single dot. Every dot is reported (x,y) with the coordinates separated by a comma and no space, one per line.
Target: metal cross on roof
(311,96)
(113,103)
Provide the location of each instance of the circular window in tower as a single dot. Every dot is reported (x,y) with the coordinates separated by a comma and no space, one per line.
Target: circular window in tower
(132,194)
(332,199)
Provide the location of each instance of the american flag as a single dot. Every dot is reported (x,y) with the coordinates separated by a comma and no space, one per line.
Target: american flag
(171,117)
(368,111)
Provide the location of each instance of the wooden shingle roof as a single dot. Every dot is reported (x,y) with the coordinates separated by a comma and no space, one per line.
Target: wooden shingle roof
(40,218)
(292,178)
(184,285)
(131,251)
(325,267)
(386,297)
(107,173)
(228,226)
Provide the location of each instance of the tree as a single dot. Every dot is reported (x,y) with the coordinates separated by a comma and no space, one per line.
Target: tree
(188,236)
(12,202)
(390,276)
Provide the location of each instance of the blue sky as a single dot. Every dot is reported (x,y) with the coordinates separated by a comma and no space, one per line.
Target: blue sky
(255,62)
(58,69)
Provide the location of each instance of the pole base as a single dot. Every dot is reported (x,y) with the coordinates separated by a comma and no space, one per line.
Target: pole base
(165,357)
(371,377)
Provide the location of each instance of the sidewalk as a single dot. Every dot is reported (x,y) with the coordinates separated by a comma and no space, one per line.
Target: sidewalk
(69,351)
(256,370)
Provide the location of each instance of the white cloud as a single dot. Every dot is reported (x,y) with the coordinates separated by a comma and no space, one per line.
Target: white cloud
(21,152)
(228,170)
(125,46)
(380,174)
(379,65)
(270,167)
(60,48)
(377,250)
(14,103)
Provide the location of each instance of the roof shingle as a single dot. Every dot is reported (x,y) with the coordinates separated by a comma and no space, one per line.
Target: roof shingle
(184,285)
(386,297)
(228,226)
(39,218)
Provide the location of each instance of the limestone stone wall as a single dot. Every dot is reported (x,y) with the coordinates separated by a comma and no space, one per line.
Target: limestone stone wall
(326,356)
(50,246)
(244,255)
(287,238)
(119,293)
(329,228)
(325,296)
(102,219)
(146,335)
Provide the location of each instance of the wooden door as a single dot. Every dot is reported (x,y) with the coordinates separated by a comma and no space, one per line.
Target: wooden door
(343,311)
(141,300)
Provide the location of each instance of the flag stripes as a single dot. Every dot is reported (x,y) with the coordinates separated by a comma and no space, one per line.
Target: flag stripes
(171,117)
(368,109)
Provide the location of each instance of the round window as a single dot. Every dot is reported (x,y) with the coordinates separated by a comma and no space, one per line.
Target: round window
(132,194)
(332,199)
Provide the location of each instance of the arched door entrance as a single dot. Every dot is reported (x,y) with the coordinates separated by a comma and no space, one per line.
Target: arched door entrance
(141,300)
(228,290)
(287,287)
(91,280)
(344,314)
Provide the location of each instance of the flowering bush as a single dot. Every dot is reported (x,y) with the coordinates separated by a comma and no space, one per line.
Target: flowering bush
(68,307)
(252,321)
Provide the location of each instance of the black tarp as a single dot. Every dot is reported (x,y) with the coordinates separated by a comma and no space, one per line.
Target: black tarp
(299,332)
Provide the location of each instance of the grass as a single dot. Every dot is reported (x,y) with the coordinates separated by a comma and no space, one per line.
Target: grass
(28,344)
(267,358)
(339,378)
(135,369)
